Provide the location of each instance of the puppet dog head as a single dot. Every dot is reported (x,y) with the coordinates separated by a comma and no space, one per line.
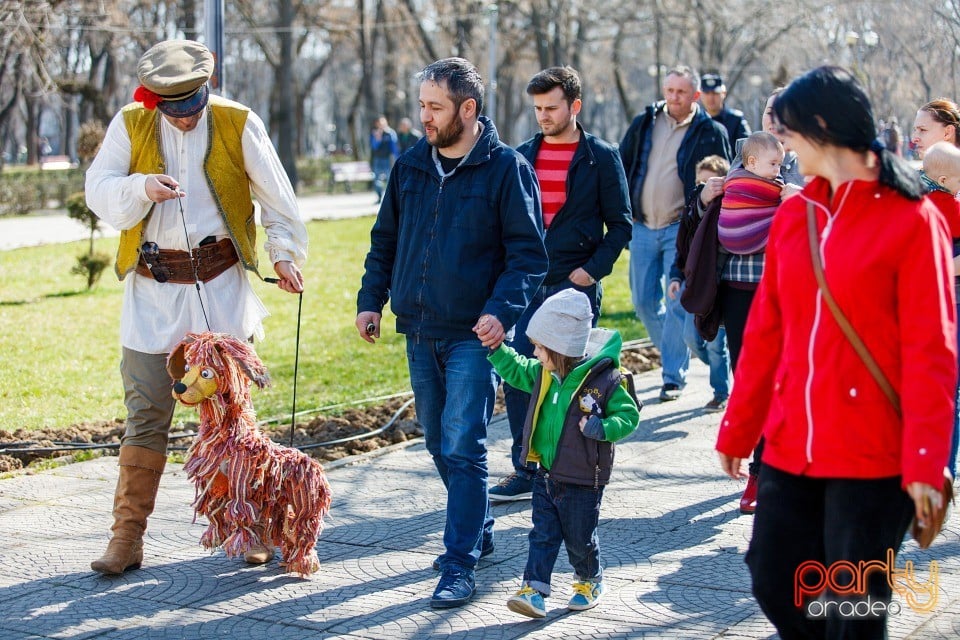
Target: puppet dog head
(209,364)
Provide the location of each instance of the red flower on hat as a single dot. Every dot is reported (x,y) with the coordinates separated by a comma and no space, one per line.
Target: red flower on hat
(149,99)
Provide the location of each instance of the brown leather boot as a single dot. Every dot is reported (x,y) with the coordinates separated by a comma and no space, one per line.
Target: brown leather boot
(261,553)
(140,471)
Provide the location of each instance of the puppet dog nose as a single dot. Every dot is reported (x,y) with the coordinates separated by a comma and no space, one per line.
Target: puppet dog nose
(179,387)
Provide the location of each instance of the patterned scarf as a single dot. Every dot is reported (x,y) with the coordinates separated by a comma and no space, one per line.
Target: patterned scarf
(746,211)
(930,184)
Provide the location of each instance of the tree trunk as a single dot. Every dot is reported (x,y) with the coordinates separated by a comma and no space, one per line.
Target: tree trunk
(285,124)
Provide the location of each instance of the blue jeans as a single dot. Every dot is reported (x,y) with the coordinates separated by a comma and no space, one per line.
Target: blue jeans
(652,252)
(567,513)
(381,172)
(714,354)
(455,388)
(517,401)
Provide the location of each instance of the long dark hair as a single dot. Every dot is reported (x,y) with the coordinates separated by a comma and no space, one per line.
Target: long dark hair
(829,107)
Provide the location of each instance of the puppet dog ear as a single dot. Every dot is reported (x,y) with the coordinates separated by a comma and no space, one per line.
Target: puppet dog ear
(177,361)
(256,372)
(246,359)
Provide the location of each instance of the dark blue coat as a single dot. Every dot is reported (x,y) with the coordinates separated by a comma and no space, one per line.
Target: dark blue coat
(735,123)
(704,137)
(596,196)
(446,252)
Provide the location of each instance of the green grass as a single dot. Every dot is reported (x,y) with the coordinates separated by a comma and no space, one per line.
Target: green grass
(61,348)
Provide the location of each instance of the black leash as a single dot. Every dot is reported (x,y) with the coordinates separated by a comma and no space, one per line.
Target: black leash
(196,282)
(296,360)
(193,264)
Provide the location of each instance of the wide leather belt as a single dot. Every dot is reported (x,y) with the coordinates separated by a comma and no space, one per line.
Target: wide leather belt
(175,266)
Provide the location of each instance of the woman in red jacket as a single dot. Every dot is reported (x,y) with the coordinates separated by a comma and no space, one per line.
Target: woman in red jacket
(843,472)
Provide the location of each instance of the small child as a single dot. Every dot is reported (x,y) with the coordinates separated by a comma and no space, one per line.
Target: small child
(751,196)
(941,176)
(709,167)
(578,408)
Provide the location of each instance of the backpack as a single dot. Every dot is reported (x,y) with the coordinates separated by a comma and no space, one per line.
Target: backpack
(629,385)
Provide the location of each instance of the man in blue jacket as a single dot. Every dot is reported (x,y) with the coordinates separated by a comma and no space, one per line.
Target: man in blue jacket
(583,189)
(458,249)
(660,152)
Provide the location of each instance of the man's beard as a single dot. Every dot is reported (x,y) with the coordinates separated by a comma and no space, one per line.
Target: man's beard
(557,128)
(450,135)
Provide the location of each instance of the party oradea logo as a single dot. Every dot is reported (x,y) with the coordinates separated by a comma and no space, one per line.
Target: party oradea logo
(841,589)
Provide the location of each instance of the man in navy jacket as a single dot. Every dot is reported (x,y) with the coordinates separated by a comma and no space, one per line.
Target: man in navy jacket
(586,212)
(458,249)
(660,153)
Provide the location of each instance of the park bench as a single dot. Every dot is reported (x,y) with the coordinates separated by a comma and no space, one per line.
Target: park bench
(349,172)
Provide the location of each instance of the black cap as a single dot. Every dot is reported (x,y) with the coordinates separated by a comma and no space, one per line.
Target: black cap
(710,82)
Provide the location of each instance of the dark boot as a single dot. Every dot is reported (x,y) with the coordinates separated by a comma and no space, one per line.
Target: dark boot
(140,471)
(748,502)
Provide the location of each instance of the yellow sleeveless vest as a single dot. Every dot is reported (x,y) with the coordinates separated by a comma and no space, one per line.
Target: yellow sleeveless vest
(223,168)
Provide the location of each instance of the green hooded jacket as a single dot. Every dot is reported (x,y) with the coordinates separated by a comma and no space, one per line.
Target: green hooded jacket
(552,409)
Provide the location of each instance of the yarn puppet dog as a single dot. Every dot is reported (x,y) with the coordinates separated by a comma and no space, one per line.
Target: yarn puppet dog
(255,494)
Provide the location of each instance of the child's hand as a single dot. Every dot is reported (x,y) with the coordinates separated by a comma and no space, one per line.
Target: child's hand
(592,427)
(673,289)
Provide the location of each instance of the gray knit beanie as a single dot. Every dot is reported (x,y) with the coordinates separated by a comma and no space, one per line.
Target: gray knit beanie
(562,324)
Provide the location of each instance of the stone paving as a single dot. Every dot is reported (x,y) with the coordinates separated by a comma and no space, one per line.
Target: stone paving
(672,544)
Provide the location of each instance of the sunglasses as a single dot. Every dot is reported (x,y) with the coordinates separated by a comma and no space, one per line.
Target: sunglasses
(151,255)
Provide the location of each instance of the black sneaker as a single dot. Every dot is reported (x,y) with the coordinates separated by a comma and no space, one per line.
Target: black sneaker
(669,392)
(455,589)
(513,487)
(716,405)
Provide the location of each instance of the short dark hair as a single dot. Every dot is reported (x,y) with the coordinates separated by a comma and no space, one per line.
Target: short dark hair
(547,80)
(461,77)
(828,106)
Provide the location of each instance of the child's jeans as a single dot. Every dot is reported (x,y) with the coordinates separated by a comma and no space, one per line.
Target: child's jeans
(567,513)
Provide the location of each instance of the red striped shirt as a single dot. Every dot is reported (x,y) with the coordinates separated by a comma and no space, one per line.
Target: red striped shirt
(552,164)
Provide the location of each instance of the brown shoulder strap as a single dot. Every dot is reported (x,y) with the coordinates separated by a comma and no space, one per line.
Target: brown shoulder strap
(841,319)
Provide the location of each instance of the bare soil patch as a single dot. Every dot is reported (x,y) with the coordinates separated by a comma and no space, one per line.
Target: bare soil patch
(359,430)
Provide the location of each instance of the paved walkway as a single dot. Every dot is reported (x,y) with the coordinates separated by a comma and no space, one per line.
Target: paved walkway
(672,543)
(50,227)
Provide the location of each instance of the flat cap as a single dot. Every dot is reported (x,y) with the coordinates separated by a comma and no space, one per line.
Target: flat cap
(176,72)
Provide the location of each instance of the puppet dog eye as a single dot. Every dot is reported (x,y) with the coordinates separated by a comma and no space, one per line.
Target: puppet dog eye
(207,374)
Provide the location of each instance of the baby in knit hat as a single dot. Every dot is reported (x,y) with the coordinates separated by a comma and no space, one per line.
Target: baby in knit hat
(751,195)
(578,408)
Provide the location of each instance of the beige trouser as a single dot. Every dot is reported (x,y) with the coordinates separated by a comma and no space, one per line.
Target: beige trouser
(147,395)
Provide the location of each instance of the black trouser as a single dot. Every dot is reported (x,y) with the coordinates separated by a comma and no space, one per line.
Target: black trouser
(734,307)
(800,519)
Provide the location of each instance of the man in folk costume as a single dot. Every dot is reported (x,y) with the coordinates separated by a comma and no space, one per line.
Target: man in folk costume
(175,175)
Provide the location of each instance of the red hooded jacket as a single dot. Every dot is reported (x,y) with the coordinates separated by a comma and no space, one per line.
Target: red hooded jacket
(887,261)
